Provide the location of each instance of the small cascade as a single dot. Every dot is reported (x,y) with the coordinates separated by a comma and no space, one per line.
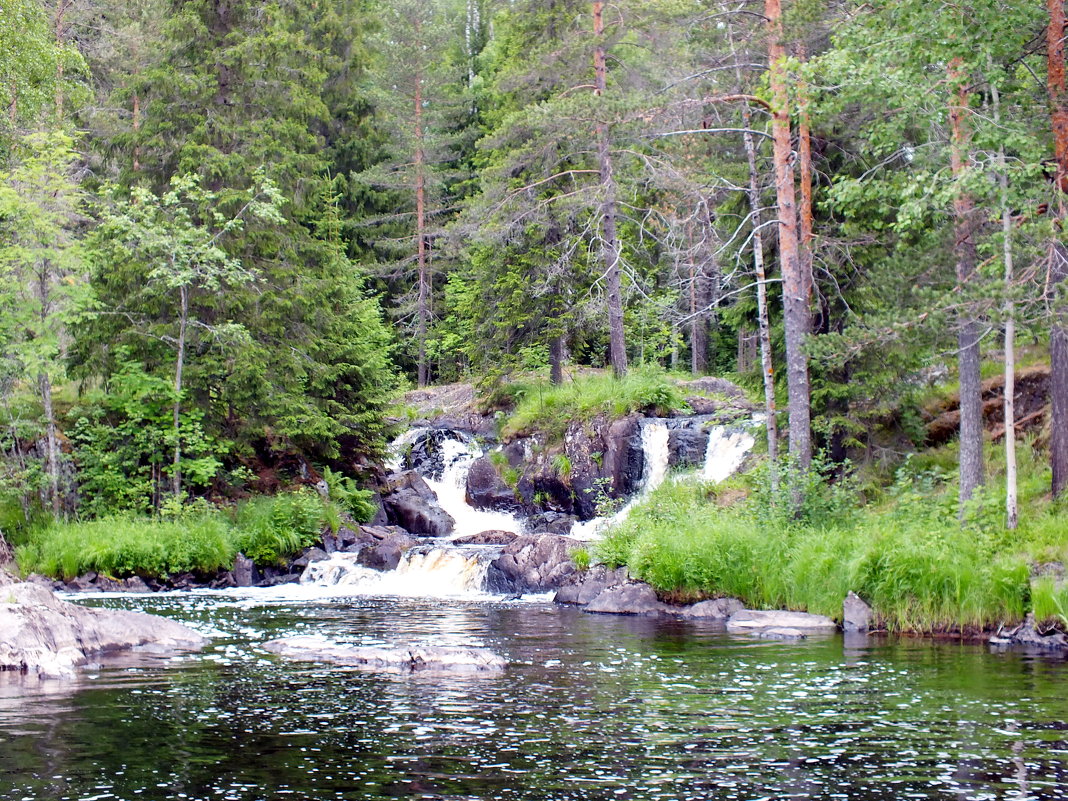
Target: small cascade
(726,450)
(426,571)
(656,455)
(451,489)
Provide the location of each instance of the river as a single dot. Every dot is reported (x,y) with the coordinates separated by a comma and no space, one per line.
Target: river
(591,707)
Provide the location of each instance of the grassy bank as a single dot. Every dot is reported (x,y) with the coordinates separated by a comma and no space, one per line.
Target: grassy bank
(549,409)
(202,540)
(903,551)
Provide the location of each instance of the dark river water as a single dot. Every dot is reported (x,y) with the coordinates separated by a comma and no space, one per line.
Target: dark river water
(592,707)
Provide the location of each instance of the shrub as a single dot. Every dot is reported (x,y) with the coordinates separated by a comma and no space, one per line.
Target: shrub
(269,529)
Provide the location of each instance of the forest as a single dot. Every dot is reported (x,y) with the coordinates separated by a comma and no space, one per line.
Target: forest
(232,233)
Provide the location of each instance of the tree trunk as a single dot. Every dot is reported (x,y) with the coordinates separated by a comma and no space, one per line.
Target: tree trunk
(767,368)
(422,310)
(51,443)
(556,360)
(136,129)
(183,322)
(617,345)
(797,313)
(804,156)
(1011,506)
(1058,338)
(698,322)
(971,401)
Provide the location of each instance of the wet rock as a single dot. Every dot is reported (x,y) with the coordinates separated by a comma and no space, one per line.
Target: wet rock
(41,634)
(633,598)
(687,446)
(715,609)
(412,505)
(347,537)
(426,455)
(584,586)
(84,583)
(385,554)
(780,633)
(309,556)
(401,659)
(245,572)
(1028,636)
(281,578)
(856,614)
(491,537)
(753,620)
(487,490)
(134,584)
(223,581)
(624,459)
(551,523)
(373,533)
(532,563)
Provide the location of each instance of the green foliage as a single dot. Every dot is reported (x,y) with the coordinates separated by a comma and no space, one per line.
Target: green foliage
(581,558)
(123,546)
(920,571)
(1049,601)
(269,529)
(562,465)
(345,494)
(124,439)
(550,409)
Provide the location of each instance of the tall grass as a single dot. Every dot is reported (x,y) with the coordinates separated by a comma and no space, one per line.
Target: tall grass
(126,546)
(541,406)
(266,529)
(921,572)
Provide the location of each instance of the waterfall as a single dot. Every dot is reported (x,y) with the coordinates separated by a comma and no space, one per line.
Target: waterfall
(726,450)
(457,452)
(656,455)
(451,490)
(425,571)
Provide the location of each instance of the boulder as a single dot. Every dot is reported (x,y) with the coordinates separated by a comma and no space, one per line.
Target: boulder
(716,609)
(491,537)
(412,505)
(245,572)
(385,554)
(487,490)
(532,563)
(856,614)
(687,446)
(551,523)
(134,584)
(633,598)
(751,621)
(400,659)
(584,586)
(309,556)
(43,635)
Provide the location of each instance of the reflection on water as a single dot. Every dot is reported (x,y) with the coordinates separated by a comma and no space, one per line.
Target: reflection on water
(593,707)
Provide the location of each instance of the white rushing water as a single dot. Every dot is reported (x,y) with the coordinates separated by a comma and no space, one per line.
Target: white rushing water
(452,493)
(656,455)
(726,450)
(432,571)
(441,569)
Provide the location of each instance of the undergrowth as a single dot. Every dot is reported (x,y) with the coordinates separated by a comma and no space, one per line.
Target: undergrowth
(541,406)
(905,553)
(202,540)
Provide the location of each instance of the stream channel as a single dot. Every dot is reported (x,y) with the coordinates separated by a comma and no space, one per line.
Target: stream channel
(590,707)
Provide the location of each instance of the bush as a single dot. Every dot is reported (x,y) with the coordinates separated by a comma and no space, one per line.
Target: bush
(268,529)
(123,546)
